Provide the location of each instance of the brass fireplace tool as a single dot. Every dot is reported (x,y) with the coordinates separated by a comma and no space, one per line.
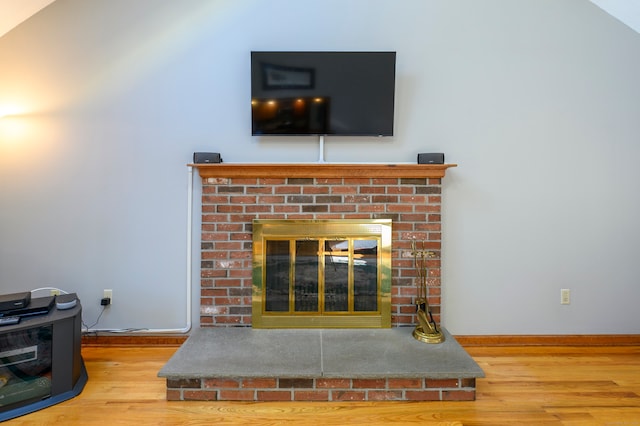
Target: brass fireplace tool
(426,331)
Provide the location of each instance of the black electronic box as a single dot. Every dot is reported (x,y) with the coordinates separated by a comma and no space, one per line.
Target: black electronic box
(9,302)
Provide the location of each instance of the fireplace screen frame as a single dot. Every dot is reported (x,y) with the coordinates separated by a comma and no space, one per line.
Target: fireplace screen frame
(323,231)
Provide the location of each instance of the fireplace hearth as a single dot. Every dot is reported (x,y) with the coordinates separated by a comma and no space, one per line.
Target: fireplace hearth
(244,364)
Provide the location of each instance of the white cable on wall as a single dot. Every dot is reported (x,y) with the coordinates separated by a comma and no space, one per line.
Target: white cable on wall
(187,327)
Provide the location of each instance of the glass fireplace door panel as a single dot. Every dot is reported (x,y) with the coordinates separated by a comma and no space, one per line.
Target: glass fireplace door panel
(336,276)
(306,276)
(365,275)
(277,273)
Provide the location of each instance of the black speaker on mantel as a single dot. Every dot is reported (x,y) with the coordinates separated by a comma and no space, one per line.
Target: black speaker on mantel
(206,157)
(431,158)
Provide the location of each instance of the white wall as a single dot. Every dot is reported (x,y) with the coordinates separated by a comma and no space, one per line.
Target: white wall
(538,102)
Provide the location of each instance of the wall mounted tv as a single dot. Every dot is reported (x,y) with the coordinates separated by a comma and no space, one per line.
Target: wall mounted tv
(322,93)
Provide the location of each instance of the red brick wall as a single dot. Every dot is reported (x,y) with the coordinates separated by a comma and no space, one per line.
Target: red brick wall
(230,205)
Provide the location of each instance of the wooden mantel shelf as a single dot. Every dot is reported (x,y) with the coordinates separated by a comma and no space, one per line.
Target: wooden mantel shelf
(320,170)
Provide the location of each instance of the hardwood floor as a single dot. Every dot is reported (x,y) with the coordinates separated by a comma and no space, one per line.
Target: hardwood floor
(536,385)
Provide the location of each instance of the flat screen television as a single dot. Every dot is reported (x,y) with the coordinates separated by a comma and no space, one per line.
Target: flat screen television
(322,93)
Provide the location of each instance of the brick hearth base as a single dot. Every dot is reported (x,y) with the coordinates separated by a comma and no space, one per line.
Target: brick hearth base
(321,389)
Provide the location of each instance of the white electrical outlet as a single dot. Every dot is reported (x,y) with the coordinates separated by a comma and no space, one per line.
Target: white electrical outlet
(565,296)
(55,292)
(108,293)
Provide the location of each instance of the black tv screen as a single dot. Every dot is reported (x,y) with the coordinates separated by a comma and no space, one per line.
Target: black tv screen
(322,93)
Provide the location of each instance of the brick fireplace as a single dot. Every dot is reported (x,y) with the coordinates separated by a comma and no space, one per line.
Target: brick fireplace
(233,195)
(220,362)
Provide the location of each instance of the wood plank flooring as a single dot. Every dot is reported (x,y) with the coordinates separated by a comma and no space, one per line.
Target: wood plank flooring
(531,385)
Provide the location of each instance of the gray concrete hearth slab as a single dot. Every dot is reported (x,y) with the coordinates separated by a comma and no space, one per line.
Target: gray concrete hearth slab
(308,353)
(245,352)
(393,353)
